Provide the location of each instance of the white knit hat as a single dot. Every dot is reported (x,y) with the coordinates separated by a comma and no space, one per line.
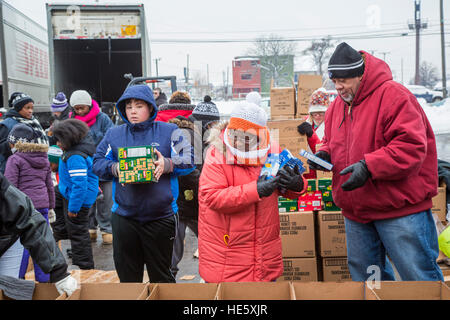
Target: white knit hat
(80,97)
(254,97)
(250,112)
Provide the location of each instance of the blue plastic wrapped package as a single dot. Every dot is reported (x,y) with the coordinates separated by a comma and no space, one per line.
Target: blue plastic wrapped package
(275,161)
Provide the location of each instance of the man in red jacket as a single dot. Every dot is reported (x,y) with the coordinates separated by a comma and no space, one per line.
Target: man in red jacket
(385,170)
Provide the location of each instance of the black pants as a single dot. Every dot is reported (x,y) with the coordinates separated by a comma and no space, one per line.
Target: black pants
(77,230)
(59,226)
(136,244)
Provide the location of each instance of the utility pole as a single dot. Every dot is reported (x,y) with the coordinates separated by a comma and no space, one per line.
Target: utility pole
(402,71)
(156,63)
(207,74)
(444,73)
(417,25)
(384,55)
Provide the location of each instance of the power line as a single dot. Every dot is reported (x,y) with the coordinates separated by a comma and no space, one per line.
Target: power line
(298,39)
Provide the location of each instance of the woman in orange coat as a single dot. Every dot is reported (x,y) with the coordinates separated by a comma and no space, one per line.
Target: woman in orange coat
(239,228)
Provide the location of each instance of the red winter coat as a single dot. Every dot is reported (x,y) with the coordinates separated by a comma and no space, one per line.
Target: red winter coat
(388,128)
(230,205)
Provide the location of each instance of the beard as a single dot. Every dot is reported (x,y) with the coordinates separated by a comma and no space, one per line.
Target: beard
(348,97)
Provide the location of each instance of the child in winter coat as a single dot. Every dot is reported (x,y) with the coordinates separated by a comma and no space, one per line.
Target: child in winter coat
(88,110)
(144,215)
(239,227)
(78,186)
(28,169)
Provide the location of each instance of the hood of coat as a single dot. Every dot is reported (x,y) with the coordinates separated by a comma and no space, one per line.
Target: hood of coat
(86,146)
(140,92)
(215,137)
(376,72)
(35,154)
(182,122)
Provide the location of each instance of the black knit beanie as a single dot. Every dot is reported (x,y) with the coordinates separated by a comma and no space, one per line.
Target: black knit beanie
(345,62)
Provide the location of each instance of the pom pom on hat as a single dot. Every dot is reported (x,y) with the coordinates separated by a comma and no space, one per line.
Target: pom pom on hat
(254,97)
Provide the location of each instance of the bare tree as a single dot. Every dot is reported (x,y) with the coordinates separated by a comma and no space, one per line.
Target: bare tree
(273,50)
(319,51)
(428,74)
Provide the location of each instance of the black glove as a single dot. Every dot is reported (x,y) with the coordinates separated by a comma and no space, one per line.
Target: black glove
(358,178)
(290,179)
(322,155)
(266,187)
(305,128)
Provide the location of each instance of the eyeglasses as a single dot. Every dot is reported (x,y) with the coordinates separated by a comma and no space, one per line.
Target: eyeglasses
(242,136)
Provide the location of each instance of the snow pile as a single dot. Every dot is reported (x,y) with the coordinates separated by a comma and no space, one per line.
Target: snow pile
(439,117)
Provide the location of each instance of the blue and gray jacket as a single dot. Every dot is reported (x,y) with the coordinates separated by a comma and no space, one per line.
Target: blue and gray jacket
(77,183)
(149,201)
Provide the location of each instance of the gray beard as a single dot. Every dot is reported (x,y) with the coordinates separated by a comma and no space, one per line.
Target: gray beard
(349,99)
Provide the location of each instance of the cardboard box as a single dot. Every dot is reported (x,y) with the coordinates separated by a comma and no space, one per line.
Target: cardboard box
(183,291)
(408,290)
(440,204)
(332,241)
(287,205)
(307,84)
(310,201)
(42,291)
(297,235)
(324,174)
(275,117)
(284,128)
(254,291)
(328,290)
(282,102)
(137,164)
(299,269)
(112,291)
(335,269)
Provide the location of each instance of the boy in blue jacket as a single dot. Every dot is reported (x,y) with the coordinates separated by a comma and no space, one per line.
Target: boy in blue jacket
(144,215)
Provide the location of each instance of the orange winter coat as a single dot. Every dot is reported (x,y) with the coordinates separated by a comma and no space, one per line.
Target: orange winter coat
(239,232)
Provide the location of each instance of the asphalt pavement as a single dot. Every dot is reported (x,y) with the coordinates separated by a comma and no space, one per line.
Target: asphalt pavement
(103,257)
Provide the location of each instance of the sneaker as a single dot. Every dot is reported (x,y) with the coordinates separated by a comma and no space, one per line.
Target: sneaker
(93,234)
(107,238)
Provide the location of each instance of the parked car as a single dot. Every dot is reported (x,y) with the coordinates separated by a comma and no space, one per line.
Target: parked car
(430,96)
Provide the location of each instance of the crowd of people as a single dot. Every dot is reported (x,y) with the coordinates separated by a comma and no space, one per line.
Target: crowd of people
(62,183)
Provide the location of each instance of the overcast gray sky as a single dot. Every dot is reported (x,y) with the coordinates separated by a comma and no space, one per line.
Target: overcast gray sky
(238,19)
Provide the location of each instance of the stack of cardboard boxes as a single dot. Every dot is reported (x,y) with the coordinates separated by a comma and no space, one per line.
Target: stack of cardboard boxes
(313,236)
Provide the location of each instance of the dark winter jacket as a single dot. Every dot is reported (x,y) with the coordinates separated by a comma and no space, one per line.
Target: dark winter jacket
(387,128)
(19,219)
(172,110)
(148,201)
(162,99)
(77,183)
(188,185)
(29,170)
(5,127)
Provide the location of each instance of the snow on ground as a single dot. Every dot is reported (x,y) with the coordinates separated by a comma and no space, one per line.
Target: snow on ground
(439,117)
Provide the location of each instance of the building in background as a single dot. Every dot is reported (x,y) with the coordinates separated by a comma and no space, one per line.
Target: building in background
(246,76)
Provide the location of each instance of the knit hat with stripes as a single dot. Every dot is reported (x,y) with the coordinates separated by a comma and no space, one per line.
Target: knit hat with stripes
(345,62)
(59,103)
